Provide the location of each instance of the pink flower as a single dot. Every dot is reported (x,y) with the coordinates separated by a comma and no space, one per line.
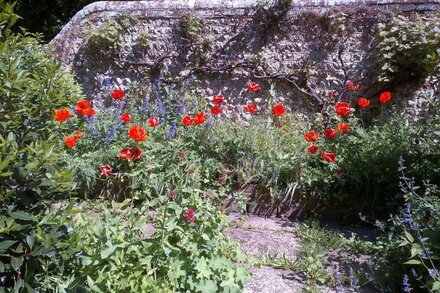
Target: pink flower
(190,215)
(105,170)
(253,87)
(153,121)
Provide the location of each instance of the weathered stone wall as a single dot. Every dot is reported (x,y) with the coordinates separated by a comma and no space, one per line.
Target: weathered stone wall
(307,48)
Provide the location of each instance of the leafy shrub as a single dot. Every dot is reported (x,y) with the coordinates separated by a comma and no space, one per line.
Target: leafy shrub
(191,26)
(31,86)
(408,50)
(31,245)
(367,158)
(180,255)
(410,241)
(108,38)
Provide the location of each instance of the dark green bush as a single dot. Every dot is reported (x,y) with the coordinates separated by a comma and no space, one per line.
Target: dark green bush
(32,85)
(408,51)
(366,172)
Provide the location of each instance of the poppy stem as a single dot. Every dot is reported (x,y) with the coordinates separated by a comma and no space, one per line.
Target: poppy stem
(362,119)
(381,110)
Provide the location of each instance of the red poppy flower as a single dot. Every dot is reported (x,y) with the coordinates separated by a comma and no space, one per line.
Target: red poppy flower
(278,110)
(363,103)
(343,127)
(70,141)
(181,154)
(328,157)
(153,121)
(82,106)
(125,154)
(385,97)
(118,94)
(217,99)
(216,110)
(330,133)
(331,94)
(190,216)
(105,170)
(62,115)
(353,86)
(187,120)
(78,134)
(253,87)
(311,136)
(125,117)
(312,149)
(343,109)
(135,153)
(89,112)
(137,133)
(132,153)
(222,179)
(199,118)
(251,108)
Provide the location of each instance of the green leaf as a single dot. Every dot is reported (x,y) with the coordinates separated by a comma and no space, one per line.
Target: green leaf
(412,262)
(4,245)
(30,240)
(409,237)
(108,251)
(92,285)
(20,215)
(204,272)
(16,262)
(175,271)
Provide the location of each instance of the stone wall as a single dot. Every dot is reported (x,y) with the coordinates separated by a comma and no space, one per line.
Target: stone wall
(213,46)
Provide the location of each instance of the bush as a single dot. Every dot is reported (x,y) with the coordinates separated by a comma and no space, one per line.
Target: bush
(31,86)
(366,167)
(409,50)
(411,240)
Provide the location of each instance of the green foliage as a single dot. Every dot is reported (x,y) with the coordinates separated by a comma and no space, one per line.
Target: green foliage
(191,26)
(109,248)
(108,38)
(366,171)
(414,236)
(7,18)
(32,244)
(32,85)
(408,50)
(268,156)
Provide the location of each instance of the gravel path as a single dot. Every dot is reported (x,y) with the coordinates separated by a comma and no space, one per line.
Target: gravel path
(259,237)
